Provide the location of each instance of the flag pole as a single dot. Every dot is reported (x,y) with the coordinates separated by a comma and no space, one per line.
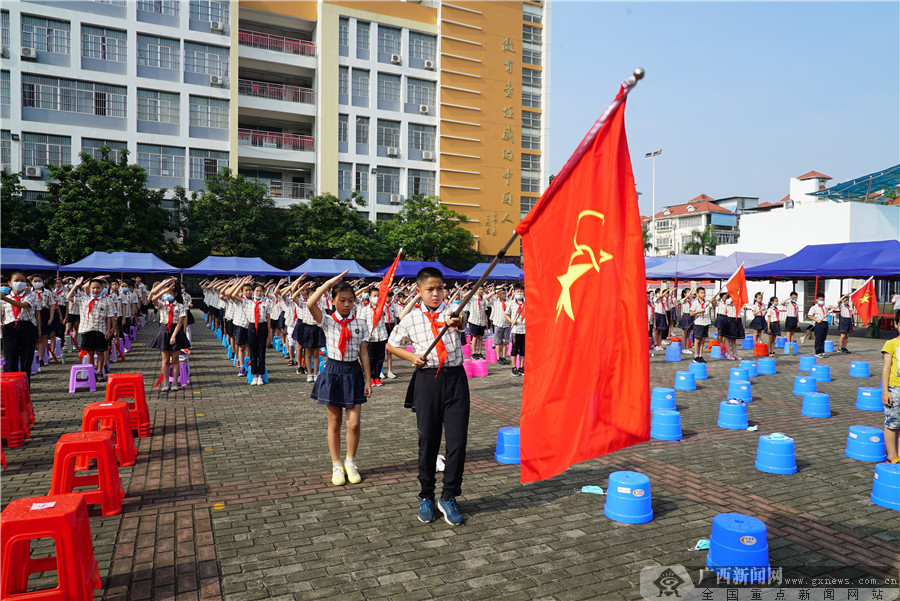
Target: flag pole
(629,83)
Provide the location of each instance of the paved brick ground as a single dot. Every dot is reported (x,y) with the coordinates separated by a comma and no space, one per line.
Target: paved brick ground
(231,497)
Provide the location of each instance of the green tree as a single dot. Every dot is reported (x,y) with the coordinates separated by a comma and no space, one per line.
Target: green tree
(645,233)
(330,228)
(23,224)
(702,243)
(429,231)
(103,205)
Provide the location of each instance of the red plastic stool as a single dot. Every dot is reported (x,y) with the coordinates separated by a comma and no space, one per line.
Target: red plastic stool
(131,386)
(14,422)
(93,445)
(64,518)
(761,349)
(110,416)
(21,380)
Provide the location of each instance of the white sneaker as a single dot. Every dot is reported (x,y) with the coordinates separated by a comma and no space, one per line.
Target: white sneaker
(352,472)
(391,375)
(261,382)
(315,377)
(337,475)
(173,386)
(687,352)
(309,377)
(164,387)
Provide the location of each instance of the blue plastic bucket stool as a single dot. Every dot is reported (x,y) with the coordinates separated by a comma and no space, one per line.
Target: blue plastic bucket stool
(230,353)
(699,370)
(224,342)
(816,404)
(822,373)
(673,353)
(859,369)
(806,363)
(886,486)
(716,352)
(865,443)
(732,416)
(780,341)
(829,346)
(507,445)
(791,348)
(741,390)
(869,399)
(684,380)
(747,343)
(751,367)
(715,335)
(739,541)
(662,398)
(628,498)
(739,373)
(676,345)
(767,367)
(665,425)
(804,384)
(265,375)
(775,454)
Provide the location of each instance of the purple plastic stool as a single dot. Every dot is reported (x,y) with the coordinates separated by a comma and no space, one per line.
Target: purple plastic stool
(89,382)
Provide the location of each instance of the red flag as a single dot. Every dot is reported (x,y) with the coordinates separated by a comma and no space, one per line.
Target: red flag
(737,289)
(584,272)
(864,301)
(383,290)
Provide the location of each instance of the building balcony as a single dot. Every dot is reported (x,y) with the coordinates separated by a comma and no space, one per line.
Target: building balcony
(275,149)
(276,91)
(276,43)
(290,190)
(262,50)
(278,101)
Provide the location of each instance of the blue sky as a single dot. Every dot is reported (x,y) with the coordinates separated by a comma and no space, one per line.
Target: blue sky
(741,96)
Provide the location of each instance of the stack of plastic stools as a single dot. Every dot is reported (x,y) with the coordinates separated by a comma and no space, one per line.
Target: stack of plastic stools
(64,518)
(886,486)
(508,446)
(131,386)
(865,443)
(14,418)
(859,369)
(82,375)
(21,388)
(93,445)
(662,398)
(816,404)
(739,548)
(775,454)
(111,416)
(628,498)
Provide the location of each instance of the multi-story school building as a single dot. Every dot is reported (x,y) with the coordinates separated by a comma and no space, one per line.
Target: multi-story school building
(387,98)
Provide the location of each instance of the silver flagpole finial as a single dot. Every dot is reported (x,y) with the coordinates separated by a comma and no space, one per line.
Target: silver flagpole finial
(639,73)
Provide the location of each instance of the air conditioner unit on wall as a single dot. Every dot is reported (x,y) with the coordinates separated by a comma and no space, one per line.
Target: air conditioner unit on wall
(427,155)
(396,59)
(423,109)
(216,26)
(33,171)
(396,199)
(29,52)
(429,65)
(393,151)
(216,80)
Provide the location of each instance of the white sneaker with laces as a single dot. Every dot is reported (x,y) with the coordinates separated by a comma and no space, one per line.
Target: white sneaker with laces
(391,375)
(353,476)
(315,377)
(164,387)
(309,377)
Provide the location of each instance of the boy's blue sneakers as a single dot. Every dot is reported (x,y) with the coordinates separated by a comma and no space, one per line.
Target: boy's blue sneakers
(451,512)
(426,510)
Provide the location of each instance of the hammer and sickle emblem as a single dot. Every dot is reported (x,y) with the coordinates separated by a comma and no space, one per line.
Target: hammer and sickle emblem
(577,265)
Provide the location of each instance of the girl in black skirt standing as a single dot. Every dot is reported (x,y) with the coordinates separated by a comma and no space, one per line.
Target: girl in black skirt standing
(758,323)
(171,337)
(773,324)
(342,386)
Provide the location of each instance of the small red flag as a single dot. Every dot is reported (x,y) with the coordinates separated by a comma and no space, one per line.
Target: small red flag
(737,288)
(584,271)
(864,301)
(383,290)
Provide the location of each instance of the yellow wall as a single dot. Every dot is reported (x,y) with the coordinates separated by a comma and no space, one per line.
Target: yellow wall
(400,10)
(302,9)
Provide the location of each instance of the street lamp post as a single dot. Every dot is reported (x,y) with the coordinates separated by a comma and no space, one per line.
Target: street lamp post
(652,156)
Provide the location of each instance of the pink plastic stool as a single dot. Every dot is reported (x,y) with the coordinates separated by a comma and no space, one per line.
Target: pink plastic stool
(490,354)
(467,366)
(467,350)
(480,368)
(113,354)
(88,381)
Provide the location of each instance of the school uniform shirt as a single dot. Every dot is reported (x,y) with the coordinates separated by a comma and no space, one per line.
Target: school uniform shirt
(238,316)
(10,314)
(516,312)
(659,306)
(74,305)
(291,313)
(817,312)
(791,308)
(303,311)
(59,300)
(772,314)
(120,305)
(255,311)
(275,305)
(377,332)
(94,312)
(757,307)
(44,296)
(229,308)
(730,309)
(476,309)
(701,319)
(129,300)
(170,313)
(416,326)
(498,310)
(324,304)
(359,333)
(188,299)
(846,310)
(142,293)
(720,308)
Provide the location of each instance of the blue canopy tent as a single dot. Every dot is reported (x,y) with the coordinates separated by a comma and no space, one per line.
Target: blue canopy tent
(503,271)
(332,267)
(726,266)
(845,260)
(121,262)
(23,258)
(409,269)
(677,265)
(654,261)
(213,265)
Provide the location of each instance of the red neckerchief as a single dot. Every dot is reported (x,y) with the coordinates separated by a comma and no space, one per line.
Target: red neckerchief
(91,305)
(256,312)
(171,307)
(478,298)
(441,349)
(17,310)
(519,310)
(503,302)
(295,313)
(345,331)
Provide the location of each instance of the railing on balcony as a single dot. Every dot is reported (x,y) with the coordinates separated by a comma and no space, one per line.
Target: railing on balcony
(275,91)
(292,190)
(276,43)
(267,139)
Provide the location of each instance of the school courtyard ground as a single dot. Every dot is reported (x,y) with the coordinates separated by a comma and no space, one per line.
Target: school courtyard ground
(231,496)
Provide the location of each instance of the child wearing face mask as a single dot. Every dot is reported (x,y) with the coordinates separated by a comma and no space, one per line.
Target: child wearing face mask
(170,338)
(18,315)
(819,314)
(43,313)
(515,315)
(96,325)
(378,335)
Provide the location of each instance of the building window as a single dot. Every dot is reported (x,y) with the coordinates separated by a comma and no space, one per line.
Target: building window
(42,149)
(388,133)
(111,2)
(162,107)
(207,163)
(663,224)
(531,172)
(388,40)
(47,35)
(531,88)
(420,182)
(68,95)
(202,58)
(209,112)
(362,130)
(531,45)
(5,148)
(4,88)
(388,87)
(693,221)
(527,202)
(387,180)
(362,36)
(532,13)
(345,178)
(35,196)
(92,147)
(161,161)
(209,10)
(343,81)
(343,128)
(159,52)
(361,184)
(420,91)
(160,7)
(664,243)
(531,130)
(421,137)
(4,27)
(422,46)
(103,44)
(344,33)
(360,84)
